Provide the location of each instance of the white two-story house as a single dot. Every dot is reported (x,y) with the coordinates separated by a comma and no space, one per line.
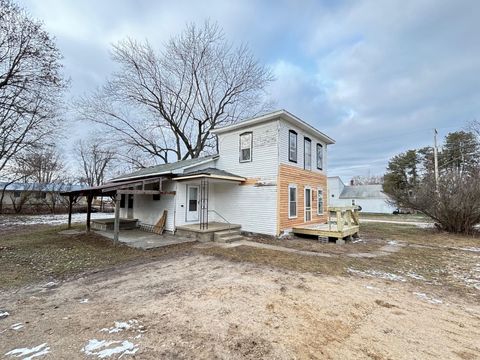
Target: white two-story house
(269,175)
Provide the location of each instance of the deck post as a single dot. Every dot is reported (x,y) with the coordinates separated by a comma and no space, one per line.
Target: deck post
(116,225)
(339,221)
(89,210)
(70,206)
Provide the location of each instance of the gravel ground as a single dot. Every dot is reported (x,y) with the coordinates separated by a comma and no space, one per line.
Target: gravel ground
(201,307)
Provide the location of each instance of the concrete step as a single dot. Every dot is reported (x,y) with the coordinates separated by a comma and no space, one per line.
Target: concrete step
(229,239)
(223,233)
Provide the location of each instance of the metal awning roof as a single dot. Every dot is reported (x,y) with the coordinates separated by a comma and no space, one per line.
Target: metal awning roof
(111,188)
(210,173)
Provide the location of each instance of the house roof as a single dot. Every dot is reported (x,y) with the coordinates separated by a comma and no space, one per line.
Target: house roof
(211,173)
(363,192)
(164,169)
(285,115)
(18,186)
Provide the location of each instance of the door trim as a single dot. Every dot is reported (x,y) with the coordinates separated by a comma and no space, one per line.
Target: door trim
(187,205)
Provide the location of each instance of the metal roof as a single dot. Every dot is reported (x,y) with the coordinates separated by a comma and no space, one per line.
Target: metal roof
(363,192)
(165,168)
(40,187)
(212,173)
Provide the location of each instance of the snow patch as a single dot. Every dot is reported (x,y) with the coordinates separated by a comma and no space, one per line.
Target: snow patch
(48,219)
(83,301)
(356,241)
(107,348)
(4,314)
(50,284)
(124,325)
(427,298)
(468,248)
(378,274)
(16,326)
(392,242)
(31,353)
(415,276)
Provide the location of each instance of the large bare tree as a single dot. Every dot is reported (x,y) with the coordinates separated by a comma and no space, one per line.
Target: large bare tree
(165,103)
(95,158)
(31,83)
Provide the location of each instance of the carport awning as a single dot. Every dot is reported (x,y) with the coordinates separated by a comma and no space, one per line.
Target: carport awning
(211,173)
(112,188)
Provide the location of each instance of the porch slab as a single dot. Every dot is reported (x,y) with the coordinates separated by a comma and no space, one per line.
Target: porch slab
(144,240)
(193,231)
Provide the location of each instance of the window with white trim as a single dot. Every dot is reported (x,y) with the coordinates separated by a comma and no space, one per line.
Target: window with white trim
(307,154)
(319,156)
(292,201)
(246,147)
(319,202)
(292,146)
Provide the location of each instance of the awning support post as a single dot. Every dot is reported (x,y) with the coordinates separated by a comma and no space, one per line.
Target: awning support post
(70,207)
(116,226)
(89,210)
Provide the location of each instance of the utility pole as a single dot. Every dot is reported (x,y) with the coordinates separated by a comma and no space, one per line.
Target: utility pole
(435,156)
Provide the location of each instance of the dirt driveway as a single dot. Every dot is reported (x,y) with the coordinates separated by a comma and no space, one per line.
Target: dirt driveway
(203,307)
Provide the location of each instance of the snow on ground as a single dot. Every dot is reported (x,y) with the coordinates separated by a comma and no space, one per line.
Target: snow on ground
(102,348)
(427,298)
(29,353)
(378,274)
(49,219)
(124,325)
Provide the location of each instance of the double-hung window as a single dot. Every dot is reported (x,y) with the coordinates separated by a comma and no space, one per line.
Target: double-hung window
(307,154)
(292,201)
(246,147)
(292,146)
(319,156)
(319,202)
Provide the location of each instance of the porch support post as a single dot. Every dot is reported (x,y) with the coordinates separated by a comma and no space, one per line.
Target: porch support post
(89,210)
(116,226)
(70,206)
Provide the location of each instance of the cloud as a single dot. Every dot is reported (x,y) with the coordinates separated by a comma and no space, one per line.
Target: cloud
(377,76)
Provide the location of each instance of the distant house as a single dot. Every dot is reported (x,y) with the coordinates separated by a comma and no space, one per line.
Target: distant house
(370,198)
(32,197)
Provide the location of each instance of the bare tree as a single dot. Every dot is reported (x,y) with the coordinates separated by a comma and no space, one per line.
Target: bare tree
(96,158)
(30,83)
(166,103)
(46,171)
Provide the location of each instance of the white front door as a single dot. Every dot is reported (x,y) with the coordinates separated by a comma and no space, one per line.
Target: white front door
(192,202)
(308,204)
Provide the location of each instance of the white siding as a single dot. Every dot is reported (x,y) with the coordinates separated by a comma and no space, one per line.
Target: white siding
(264,164)
(284,128)
(149,211)
(253,207)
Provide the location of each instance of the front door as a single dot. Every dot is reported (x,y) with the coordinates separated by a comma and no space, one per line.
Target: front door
(308,204)
(192,202)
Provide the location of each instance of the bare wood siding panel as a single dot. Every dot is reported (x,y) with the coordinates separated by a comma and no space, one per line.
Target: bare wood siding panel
(293,175)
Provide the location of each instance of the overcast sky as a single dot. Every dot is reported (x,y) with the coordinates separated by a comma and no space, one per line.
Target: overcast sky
(377,76)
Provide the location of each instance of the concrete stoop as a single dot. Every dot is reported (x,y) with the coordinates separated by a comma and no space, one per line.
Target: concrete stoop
(227,236)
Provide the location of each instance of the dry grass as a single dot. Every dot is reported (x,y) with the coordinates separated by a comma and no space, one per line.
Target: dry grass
(442,267)
(399,217)
(40,254)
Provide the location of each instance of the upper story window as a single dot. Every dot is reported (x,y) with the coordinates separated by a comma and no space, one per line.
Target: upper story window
(246,147)
(292,146)
(307,154)
(319,157)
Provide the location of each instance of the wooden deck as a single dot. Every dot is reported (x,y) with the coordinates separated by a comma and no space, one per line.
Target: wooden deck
(343,225)
(326,230)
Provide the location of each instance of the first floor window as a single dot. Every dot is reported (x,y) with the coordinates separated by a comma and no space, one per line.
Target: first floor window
(246,147)
(292,201)
(122,201)
(320,202)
